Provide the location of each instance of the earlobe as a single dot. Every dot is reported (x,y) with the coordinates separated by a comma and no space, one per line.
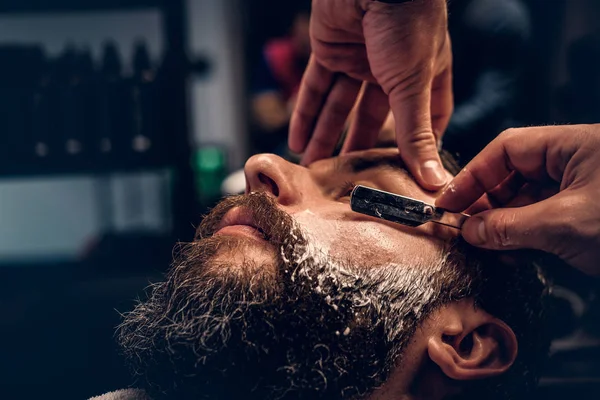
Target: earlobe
(485,346)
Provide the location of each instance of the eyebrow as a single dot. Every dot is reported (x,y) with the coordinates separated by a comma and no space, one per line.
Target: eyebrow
(361,164)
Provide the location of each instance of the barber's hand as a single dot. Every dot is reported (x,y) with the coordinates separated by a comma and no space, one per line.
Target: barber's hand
(402,53)
(545,182)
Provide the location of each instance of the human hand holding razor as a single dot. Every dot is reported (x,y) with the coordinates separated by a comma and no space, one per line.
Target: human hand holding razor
(536,188)
(401,209)
(377,55)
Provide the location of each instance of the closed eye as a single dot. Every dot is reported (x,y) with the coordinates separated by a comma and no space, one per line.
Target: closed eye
(345,190)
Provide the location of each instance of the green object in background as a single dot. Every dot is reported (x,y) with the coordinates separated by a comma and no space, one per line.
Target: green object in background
(209,163)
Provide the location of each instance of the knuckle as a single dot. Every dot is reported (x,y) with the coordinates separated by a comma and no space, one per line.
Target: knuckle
(336,57)
(512,138)
(409,84)
(423,141)
(422,136)
(326,54)
(510,133)
(499,232)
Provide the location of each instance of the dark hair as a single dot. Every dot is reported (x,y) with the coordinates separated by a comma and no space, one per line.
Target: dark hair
(515,291)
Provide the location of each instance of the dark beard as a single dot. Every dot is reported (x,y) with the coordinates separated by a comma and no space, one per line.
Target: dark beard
(316,329)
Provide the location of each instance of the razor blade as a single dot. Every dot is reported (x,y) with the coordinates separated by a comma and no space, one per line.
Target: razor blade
(401,209)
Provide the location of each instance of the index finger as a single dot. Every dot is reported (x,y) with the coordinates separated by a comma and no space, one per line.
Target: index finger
(314,88)
(536,153)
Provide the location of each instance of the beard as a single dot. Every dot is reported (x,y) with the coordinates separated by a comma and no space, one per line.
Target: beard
(307,327)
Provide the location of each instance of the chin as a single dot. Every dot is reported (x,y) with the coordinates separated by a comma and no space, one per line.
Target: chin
(246,257)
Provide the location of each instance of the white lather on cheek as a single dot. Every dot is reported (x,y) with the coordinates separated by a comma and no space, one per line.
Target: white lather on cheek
(374,235)
(318,230)
(333,238)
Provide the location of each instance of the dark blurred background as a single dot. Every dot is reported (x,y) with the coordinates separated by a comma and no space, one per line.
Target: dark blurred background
(120,121)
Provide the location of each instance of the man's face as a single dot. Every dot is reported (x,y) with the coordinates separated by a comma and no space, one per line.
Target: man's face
(318,199)
(287,293)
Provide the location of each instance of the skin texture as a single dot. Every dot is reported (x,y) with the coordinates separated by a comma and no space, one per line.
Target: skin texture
(534,188)
(400,55)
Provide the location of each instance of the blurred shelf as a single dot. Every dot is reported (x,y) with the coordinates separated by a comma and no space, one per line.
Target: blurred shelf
(109,256)
(20,171)
(42,6)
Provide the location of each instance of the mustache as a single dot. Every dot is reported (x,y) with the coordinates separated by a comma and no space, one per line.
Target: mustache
(277,226)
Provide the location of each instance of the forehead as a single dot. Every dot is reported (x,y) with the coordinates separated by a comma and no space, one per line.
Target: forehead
(359,161)
(373,159)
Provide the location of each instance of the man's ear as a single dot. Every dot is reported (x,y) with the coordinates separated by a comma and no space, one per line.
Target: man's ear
(468,343)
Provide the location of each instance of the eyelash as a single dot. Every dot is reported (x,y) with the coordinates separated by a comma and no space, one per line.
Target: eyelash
(346,189)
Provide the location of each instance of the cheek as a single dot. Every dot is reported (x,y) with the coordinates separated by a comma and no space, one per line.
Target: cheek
(365,242)
(320,230)
(245,255)
(371,244)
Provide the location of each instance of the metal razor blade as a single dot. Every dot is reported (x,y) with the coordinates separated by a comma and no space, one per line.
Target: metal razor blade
(401,209)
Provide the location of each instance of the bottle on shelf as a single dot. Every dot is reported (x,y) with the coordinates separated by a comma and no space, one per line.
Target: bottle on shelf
(144,140)
(114,116)
(43,111)
(76,96)
(20,70)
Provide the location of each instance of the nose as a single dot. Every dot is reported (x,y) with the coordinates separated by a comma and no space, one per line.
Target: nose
(274,175)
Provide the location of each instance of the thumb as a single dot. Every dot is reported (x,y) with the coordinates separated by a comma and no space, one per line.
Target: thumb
(416,140)
(534,227)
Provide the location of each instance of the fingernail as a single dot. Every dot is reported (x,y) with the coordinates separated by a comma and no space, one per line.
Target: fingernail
(433,173)
(479,234)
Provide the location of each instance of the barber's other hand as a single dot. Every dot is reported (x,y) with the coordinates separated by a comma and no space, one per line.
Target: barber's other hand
(545,183)
(402,53)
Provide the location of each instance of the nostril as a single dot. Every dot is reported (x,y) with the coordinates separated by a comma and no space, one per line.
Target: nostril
(265,180)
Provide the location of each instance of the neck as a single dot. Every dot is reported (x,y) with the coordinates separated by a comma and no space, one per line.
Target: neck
(426,382)
(432,383)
